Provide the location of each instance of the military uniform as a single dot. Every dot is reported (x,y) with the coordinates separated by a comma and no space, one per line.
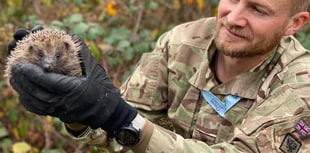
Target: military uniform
(264,110)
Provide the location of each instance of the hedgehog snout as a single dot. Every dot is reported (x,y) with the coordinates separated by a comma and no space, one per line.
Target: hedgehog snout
(48,64)
(47,67)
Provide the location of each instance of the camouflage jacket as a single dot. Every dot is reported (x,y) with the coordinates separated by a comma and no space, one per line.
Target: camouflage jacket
(273,114)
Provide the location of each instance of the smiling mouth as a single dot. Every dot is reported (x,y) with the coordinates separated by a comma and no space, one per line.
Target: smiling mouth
(233,31)
(236,33)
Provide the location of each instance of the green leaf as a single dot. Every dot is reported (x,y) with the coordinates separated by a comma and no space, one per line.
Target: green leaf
(153,5)
(75,18)
(129,54)
(56,24)
(46,2)
(80,29)
(14,115)
(6,145)
(116,35)
(3,131)
(33,20)
(21,147)
(95,150)
(22,127)
(142,47)
(11,11)
(94,50)
(57,123)
(78,1)
(304,39)
(109,40)
(3,83)
(123,45)
(120,33)
(146,35)
(95,31)
(52,151)
(114,61)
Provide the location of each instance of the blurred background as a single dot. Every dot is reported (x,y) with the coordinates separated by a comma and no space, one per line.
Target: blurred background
(116,31)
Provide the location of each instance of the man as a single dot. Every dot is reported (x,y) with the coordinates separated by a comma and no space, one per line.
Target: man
(237,83)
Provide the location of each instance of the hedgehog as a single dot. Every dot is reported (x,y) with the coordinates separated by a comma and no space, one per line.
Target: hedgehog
(54,51)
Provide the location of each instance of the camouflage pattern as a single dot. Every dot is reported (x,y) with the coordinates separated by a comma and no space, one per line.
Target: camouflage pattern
(169,80)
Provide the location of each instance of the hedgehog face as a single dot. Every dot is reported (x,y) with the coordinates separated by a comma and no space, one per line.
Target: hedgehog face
(49,61)
(54,51)
(47,58)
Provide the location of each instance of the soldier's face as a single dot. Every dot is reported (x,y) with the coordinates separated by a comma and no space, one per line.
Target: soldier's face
(247,28)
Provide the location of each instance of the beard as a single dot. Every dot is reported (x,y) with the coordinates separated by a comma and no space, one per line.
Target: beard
(250,47)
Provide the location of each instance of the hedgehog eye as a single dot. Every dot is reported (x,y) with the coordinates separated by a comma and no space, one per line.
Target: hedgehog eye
(57,55)
(40,54)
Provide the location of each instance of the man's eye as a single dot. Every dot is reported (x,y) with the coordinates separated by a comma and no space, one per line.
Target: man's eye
(234,1)
(259,11)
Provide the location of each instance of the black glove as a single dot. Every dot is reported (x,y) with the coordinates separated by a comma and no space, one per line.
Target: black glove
(90,100)
(19,35)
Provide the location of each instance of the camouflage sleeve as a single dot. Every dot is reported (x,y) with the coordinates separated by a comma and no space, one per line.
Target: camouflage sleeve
(147,88)
(98,138)
(163,140)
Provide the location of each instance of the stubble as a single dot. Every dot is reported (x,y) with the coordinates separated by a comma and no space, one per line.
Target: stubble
(253,46)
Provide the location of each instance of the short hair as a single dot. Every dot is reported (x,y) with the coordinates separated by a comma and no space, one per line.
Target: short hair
(300,5)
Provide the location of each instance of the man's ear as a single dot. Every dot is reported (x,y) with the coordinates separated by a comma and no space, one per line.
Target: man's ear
(296,22)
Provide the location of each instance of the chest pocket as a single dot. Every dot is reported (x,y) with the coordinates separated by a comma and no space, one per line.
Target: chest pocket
(277,116)
(212,128)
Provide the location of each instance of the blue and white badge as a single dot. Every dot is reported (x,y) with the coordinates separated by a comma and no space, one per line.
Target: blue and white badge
(220,107)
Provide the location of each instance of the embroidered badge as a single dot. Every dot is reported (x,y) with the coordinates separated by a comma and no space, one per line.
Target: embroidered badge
(220,107)
(302,128)
(290,144)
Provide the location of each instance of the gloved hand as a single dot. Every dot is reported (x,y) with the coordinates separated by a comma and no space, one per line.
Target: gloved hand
(19,35)
(91,100)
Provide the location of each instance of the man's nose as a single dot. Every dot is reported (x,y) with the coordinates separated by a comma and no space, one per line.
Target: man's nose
(237,16)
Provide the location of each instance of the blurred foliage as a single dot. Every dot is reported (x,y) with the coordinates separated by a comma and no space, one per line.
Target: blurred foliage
(116,31)
(304,36)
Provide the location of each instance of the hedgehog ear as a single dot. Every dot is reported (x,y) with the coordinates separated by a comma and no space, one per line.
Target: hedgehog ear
(67,46)
(31,48)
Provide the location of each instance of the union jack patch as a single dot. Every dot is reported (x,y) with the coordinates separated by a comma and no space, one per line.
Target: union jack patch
(302,128)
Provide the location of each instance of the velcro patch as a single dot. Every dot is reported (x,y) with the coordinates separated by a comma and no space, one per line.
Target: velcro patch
(302,128)
(290,144)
